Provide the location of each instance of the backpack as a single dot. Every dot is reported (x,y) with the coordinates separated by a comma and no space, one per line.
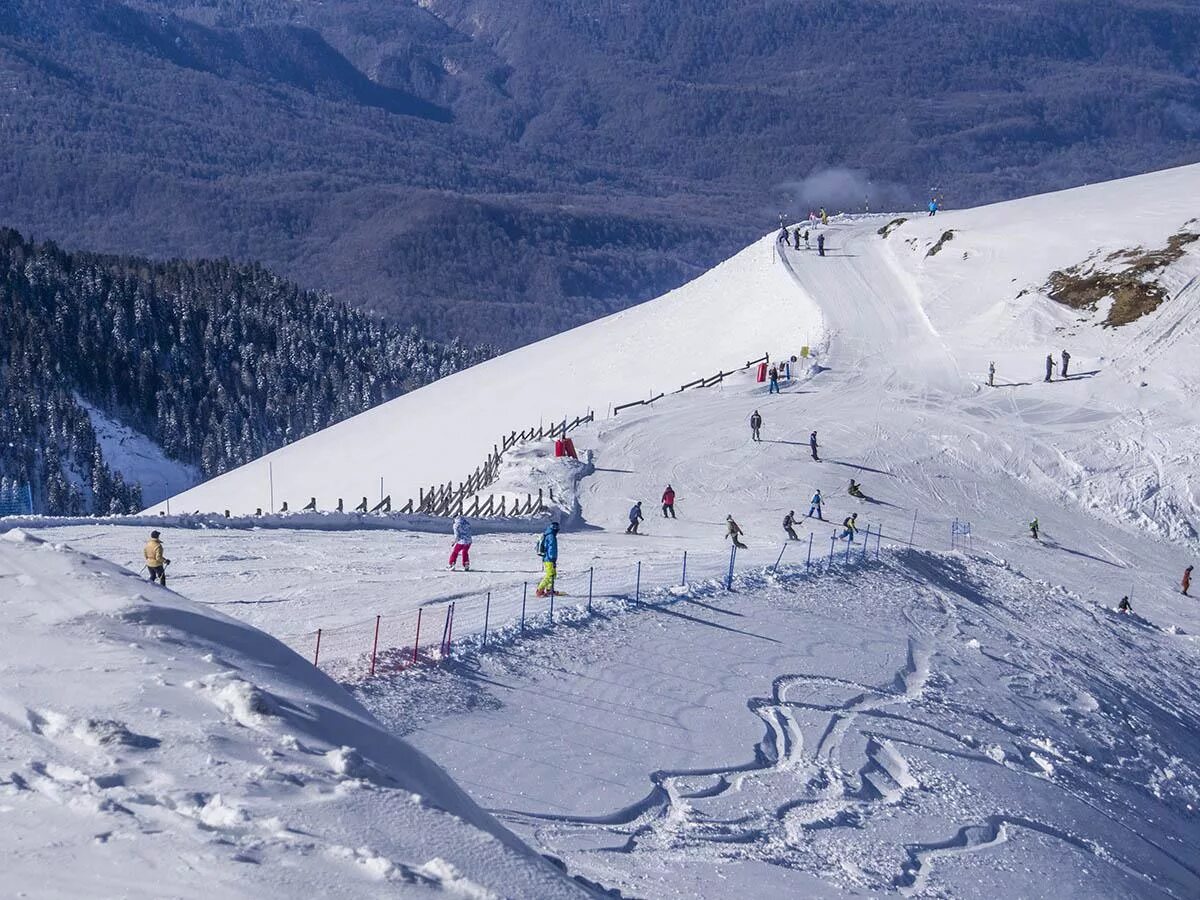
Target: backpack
(541,545)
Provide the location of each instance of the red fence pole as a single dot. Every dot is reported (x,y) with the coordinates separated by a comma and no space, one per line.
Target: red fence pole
(417,642)
(375,646)
(317,653)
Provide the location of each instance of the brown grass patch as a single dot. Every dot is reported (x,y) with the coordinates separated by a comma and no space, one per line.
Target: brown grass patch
(946,237)
(890,227)
(1132,293)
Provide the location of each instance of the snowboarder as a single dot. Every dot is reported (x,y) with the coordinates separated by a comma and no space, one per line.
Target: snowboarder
(789,522)
(812,445)
(824,216)
(855,490)
(773,388)
(755,425)
(783,235)
(821,244)
(850,524)
(156,563)
(1050,364)
(933,206)
(796,236)
(668,502)
(733,532)
(548,550)
(807,245)
(1124,606)
(1187,580)
(462,543)
(635,516)
(816,505)
(991,374)
(1066,358)
(1034,528)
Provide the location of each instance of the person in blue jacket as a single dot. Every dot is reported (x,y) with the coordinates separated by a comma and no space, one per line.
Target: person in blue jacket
(816,506)
(635,516)
(548,551)
(933,206)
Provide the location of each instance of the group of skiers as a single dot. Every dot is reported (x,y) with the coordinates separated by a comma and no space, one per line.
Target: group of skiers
(1051,365)
(801,232)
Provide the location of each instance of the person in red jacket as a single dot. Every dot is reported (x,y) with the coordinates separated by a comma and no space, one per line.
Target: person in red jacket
(668,502)
(1187,580)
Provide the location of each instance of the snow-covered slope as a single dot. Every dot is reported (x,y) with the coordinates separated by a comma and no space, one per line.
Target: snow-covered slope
(138,459)
(155,748)
(443,431)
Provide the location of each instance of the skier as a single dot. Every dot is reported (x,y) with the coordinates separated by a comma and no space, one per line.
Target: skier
(855,490)
(668,502)
(1066,358)
(635,516)
(773,388)
(1034,528)
(783,235)
(933,206)
(1187,580)
(462,543)
(1050,364)
(991,374)
(816,505)
(733,531)
(796,236)
(850,524)
(156,563)
(789,522)
(1124,607)
(548,550)
(807,245)
(812,445)
(755,425)
(821,244)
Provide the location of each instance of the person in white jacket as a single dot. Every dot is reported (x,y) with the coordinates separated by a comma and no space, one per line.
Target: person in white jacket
(462,543)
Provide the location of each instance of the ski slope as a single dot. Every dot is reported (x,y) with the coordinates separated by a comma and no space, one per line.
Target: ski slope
(156,748)
(734,313)
(928,723)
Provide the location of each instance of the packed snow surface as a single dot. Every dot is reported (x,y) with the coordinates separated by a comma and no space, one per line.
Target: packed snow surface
(893,718)
(154,747)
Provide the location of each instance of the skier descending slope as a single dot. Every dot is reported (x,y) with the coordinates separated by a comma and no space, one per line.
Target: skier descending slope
(816,505)
(733,531)
(548,551)
(668,502)
(635,516)
(462,543)
(156,563)
(1034,528)
(850,524)
(789,522)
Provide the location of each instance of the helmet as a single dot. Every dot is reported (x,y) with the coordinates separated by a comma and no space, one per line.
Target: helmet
(154,534)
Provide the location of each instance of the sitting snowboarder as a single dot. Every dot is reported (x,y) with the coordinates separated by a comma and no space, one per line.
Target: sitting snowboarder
(1124,607)
(855,490)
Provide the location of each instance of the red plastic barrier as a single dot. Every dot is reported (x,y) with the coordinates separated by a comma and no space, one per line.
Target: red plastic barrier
(559,449)
(762,372)
(569,448)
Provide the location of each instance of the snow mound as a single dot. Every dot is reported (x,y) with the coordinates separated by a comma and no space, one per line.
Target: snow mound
(157,748)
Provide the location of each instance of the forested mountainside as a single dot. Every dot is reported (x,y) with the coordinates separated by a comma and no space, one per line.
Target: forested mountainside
(218,363)
(502,171)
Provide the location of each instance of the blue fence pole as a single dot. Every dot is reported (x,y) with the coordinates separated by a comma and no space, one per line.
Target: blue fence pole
(637,587)
(808,561)
(729,576)
(683,577)
(29,499)
(487,612)
(866,540)
(591,578)
(878,540)
(832,544)
(524,594)
(780,557)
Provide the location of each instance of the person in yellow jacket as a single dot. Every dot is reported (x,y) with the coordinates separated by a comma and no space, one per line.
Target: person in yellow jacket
(156,562)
